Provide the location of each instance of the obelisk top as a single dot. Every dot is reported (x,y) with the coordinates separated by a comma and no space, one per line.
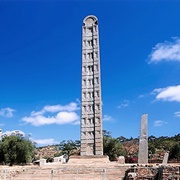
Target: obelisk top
(90,20)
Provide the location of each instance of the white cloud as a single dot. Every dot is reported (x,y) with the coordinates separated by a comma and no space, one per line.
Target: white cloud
(107,118)
(56,108)
(44,142)
(57,114)
(124,103)
(159,123)
(14,132)
(40,142)
(167,51)
(70,107)
(171,93)
(177,114)
(7,112)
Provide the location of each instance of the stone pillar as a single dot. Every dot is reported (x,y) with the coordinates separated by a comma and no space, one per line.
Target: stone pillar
(121,159)
(165,159)
(91,110)
(143,141)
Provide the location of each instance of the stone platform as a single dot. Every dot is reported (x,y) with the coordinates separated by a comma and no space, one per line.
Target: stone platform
(88,159)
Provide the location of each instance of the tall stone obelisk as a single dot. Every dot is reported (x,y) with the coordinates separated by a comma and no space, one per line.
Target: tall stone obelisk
(143,141)
(91,107)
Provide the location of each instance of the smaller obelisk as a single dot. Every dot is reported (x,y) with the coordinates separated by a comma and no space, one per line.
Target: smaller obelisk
(143,141)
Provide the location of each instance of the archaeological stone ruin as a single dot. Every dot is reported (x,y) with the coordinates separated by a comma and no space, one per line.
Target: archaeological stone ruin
(143,141)
(91,164)
(91,112)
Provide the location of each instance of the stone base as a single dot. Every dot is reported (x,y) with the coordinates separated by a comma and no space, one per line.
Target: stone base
(88,159)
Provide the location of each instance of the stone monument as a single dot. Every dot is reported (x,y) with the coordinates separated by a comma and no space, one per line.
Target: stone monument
(165,159)
(91,105)
(143,141)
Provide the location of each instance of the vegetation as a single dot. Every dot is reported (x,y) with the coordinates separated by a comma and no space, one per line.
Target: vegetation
(48,159)
(121,146)
(112,146)
(69,147)
(16,150)
(165,144)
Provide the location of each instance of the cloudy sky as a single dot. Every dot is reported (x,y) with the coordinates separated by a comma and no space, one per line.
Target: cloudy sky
(40,67)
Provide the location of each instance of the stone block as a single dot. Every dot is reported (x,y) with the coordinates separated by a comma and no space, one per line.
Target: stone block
(121,159)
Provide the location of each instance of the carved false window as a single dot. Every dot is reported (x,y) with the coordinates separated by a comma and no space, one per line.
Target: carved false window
(84,30)
(97,94)
(89,95)
(96,68)
(91,134)
(83,134)
(84,56)
(84,43)
(96,54)
(90,82)
(84,69)
(84,108)
(84,95)
(90,69)
(95,28)
(89,30)
(84,121)
(97,120)
(84,82)
(90,43)
(90,121)
(96,80)
(90,108)
(98,107)
(91,55)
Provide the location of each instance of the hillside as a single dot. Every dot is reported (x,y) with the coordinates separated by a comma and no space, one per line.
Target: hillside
(157,147)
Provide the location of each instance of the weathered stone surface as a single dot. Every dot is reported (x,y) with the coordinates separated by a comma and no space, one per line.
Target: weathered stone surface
(143,141)
(42,162)
(121,159)
(91,110)
(88,159)
(165,159)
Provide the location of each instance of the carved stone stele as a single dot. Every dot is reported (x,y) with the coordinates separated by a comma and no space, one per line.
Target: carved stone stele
(143,140)
(91,110)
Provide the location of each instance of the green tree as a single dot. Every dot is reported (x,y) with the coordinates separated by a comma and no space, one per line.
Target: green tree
(2,158)
(165,143)
(112,146)
(175,151)
(122,139)
(48,158)
(16,150)
(68,147)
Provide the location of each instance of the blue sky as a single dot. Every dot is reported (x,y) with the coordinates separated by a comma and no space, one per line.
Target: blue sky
(40,67)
